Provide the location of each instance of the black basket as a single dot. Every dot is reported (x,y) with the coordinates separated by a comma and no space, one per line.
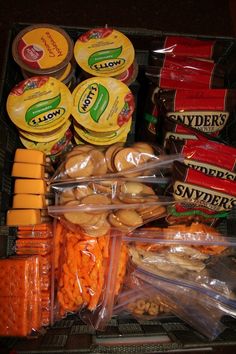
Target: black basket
(123,335)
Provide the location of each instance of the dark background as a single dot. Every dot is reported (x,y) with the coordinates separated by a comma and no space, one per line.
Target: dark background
(207,17)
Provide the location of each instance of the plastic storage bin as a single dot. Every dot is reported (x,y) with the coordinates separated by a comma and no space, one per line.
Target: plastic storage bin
(123,335)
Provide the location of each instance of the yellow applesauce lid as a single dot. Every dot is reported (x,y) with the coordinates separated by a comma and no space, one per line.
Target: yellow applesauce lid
(102,104)
(49,136)
(50,148)
(39,104)
(93,138)
(104,52)
(42,49)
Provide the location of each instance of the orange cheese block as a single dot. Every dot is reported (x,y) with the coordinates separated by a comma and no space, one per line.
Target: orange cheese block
(22,217)
(29,201)
(28,170)
(30,186)
(30,156)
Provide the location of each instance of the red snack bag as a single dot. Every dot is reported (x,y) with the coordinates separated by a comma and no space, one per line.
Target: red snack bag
(199,196)
(212,162)
(190,47)
(210,111)
(186,73)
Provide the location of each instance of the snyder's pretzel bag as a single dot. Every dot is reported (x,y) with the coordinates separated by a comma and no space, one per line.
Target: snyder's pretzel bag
(199,196)
(98,206)
(118,160)
(189,47)
(184,72)
(211,158)
(209,111)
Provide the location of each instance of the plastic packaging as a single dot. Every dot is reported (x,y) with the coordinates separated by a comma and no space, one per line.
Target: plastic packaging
(117,160)
(80,264)
(186,73)
(190,47)
(98,206)
(199,311)
(20,296)
(115,272)
(200,261)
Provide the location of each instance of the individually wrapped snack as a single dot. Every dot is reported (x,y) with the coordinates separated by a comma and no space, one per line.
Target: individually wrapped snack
(131,161)
(200,196)
(199,310)
(203,261)
(204,158)
(211,111)
(186,73)
(190,47)
(99,317)
(143,304)
(95,207)
(80,271)
(20,296)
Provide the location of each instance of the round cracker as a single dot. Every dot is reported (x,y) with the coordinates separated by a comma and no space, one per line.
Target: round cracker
(79,166)
(78,217)
(129,217)
(109,155)
(82,191)
(99,161)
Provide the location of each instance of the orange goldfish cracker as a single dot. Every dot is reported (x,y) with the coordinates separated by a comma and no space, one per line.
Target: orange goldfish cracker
(121,267)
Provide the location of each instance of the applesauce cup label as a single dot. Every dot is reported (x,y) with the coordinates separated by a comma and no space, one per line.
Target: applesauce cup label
(104,52)
(102,104)
(39,104)
(42,48)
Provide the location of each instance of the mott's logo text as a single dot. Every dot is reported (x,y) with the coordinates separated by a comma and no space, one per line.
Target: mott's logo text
(211,170)
(94,100)
(206,198)
(44,112)
(106,60)
(205,121)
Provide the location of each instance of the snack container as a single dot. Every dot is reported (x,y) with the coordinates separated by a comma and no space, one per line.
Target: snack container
(123,333)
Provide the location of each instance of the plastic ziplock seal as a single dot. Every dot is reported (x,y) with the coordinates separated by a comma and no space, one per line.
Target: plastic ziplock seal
(96,207)
(117,161)
(200,311)
(191,263)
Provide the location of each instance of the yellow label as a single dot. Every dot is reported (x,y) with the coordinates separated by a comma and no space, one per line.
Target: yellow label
(39,104)
(66,73)
(104,52)
(106,139)
(102,104)
(47,137)
(49,148)
(43,48)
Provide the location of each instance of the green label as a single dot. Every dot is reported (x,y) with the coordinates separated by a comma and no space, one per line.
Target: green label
(94,100)
(106,60)
(39,108)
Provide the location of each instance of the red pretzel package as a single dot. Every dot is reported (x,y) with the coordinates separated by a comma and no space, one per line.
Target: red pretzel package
(213,159)
(190,47)
(199,196)
(209,111)
(186,73)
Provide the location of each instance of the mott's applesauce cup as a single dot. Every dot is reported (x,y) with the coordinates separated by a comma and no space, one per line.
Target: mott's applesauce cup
(50,148)
(102,104)
(39,104)
(104,52)
(103,139)
(43,50)
(46,137)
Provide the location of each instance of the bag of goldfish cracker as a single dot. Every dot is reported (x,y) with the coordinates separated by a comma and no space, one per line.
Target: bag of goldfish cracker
(88,274)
